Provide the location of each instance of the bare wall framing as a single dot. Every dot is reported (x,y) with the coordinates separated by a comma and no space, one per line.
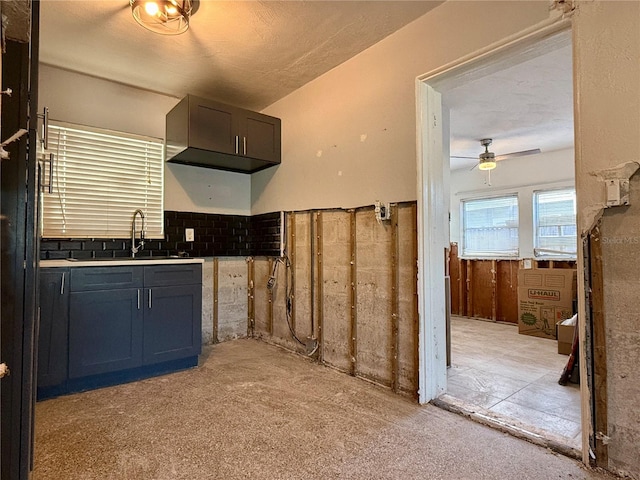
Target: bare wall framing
(488,289)
(352,284)
(616,336)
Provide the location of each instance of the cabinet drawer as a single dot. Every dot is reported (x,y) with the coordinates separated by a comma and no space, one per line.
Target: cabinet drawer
(168,275)
(103,278)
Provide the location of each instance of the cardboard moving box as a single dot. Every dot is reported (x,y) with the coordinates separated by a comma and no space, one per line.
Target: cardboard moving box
(545,297)
(565,338)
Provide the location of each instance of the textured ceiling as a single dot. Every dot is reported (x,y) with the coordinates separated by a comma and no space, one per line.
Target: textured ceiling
(524,107)
(252,53)
(246,53)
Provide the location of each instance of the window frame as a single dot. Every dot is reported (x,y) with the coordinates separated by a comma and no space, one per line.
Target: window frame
(488,255)
(549,255)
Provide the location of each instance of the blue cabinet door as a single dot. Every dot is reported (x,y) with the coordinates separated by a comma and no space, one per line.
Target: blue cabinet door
(105,331)
(53,327)
(172,323)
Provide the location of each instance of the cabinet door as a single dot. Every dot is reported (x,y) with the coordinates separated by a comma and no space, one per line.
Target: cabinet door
(212,126)
(53,327)
(172,323)
(262,136)
(105,331)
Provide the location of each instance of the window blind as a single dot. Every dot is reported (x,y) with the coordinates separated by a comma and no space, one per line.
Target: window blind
(490,227)
(99,179)
(555,223)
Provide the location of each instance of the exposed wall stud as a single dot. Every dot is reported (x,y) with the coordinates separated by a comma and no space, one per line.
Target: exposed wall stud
(469,290)
(291,250)
(395,301)
(416,316)
(312,271)
(599,350)
(494,290)
(215,299)
(319,276)
(353,297)
(461,286)
(251,323)
(270,300)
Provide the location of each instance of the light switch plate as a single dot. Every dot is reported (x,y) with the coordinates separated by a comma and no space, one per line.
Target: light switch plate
(189,234)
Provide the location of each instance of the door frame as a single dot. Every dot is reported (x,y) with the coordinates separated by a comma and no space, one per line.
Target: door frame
(433,183)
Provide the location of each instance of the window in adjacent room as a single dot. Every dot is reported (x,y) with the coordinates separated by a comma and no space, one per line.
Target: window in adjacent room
(100,178)
(490,227)
(555,231)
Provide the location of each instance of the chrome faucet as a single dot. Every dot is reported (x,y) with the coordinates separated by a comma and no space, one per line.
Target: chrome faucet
(140,246)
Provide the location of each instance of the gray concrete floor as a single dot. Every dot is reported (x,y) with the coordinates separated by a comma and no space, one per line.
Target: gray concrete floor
(515,377)
(252,410)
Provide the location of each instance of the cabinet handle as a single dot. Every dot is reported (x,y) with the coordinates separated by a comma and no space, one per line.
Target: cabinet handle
(45,127)
(138,299)
(48,187)
(62,283)
(244,146)
(237,144)
(149,298)
(52,159)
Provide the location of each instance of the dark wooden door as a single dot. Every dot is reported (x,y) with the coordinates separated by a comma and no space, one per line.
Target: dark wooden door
(19,253)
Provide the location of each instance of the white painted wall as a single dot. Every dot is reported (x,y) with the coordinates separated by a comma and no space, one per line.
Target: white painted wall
(349,137)
(523,176)
(85,100)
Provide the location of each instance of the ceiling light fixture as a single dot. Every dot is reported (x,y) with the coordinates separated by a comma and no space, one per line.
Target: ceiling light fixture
(487,158)
(166,17)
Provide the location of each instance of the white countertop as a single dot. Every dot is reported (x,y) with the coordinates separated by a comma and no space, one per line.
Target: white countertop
(114,262)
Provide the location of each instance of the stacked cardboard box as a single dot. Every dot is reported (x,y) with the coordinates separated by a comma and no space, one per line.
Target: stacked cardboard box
(545,297)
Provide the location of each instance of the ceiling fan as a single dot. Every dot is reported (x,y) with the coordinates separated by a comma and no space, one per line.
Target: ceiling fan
(487,160)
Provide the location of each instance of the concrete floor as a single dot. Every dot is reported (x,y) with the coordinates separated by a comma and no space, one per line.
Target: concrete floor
(252,410)
(514,377)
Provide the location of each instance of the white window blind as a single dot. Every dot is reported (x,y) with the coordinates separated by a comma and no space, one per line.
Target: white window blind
(555,223)
(99,179)
(490,227)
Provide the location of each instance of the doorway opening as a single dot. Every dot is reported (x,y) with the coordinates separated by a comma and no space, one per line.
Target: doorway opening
(503,376)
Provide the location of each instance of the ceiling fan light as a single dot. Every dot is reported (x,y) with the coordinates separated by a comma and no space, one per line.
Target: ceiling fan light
(151,8)
(166,17)
(487,164)
(487,158)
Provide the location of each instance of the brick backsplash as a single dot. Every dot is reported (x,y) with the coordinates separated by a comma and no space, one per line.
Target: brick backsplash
(215,235)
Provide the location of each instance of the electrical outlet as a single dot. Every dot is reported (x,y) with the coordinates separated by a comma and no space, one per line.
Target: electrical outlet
(189,234)
(382,211)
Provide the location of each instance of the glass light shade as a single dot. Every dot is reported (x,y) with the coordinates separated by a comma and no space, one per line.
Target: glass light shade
(487,164)
(166,17)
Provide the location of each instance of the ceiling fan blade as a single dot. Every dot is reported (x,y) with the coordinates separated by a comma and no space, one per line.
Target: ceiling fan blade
(523,153)
(471,169)
(457,156)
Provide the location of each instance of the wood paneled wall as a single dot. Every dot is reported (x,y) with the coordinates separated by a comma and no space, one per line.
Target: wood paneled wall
(489,288)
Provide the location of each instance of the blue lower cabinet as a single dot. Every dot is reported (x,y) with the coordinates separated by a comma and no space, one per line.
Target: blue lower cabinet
(117,324)
(172,323)
(105,331)
(53,328)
